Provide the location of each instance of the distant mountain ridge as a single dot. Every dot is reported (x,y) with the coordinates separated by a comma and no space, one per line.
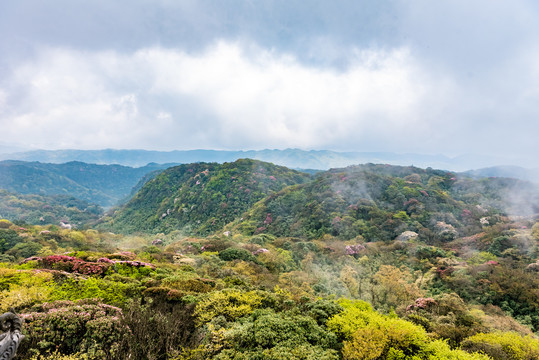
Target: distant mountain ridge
(516,172)
(292,158)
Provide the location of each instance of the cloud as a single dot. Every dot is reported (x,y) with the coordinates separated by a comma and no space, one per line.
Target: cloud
(240,95)
(230,95)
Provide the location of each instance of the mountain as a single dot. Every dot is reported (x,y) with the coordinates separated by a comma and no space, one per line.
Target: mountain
(201,197)
(101,184)
(374,202)
(47,209)
(292,158)
(380,202)
(506,171)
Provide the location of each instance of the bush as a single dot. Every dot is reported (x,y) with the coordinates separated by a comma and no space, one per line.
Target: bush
(370,335)
(65,327)
(156,331)
(230,303)
(231,254)
(269,335)
(23,288)
(503,345)
(111,292)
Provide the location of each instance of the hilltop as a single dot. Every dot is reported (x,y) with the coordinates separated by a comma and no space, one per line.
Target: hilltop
(371,202)
(380,202)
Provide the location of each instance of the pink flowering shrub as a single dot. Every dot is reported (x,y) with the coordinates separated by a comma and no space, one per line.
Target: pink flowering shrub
(421,303)
(354,250)
(260,230)
(58,262)
(87,327)
(259,251)
(268,220)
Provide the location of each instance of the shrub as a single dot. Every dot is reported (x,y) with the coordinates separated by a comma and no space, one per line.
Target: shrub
(503,345)
(65,327)
(370,335)
(156,331)
(23,288)
(8,239)
(5,224)
(231,254)
(111,292)
(269,335)
(230,303)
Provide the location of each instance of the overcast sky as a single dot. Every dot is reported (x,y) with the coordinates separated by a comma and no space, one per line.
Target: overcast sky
(451,77)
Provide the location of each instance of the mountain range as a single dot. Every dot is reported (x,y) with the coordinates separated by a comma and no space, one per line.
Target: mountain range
(292,158)
(372,202)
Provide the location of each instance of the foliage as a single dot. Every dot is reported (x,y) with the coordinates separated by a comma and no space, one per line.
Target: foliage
(370,335)
(47,209)
(503,345)
(201,198)
(156,331)
(98,184)
(229,303)
(236,254)
(247,292)
(66,327)
(269,335)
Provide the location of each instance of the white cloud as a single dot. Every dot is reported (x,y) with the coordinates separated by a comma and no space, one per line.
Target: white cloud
(238,96)
(230,96)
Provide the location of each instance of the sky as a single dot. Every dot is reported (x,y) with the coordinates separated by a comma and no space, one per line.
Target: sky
(432,77)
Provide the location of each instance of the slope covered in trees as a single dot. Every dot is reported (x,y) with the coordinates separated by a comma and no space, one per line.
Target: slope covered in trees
(202,197)
(366,262)
(381,202)
(101,184)
(43,209)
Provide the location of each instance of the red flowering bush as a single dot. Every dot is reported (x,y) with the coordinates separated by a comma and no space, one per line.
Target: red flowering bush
(59,262)
(100,267)
(91,268)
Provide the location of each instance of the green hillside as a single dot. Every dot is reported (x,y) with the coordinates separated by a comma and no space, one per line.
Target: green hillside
(266,297)
(47,209)
(380,202)
(201,198)
(101,184)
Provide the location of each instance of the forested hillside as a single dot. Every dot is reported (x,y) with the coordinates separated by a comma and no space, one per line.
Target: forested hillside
(101,184)
(201,198)
(380,202)
(43,209)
